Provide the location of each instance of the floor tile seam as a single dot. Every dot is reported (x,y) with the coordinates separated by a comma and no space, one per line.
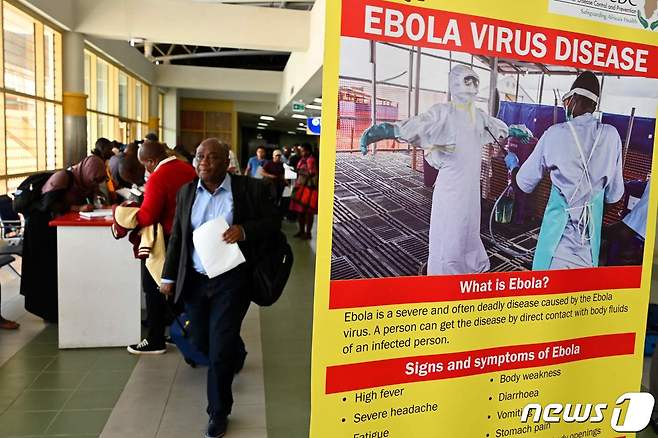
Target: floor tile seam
(76,390)
(164,408)
(60,410)
(28,411)
(27,386)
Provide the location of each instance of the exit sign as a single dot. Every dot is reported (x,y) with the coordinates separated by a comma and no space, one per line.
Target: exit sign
(298,107)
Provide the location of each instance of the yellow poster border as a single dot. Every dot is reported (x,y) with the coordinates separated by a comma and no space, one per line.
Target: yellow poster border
(530,12)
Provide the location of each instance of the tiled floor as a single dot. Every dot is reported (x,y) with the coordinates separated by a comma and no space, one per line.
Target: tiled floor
(47,392)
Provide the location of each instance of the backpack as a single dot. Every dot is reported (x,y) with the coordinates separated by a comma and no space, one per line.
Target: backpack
(28,193)
(271,270)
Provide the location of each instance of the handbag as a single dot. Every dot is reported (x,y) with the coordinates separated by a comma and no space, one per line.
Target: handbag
(271,270)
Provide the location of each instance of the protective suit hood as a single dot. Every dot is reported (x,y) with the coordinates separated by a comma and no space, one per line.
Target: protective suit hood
(464,84)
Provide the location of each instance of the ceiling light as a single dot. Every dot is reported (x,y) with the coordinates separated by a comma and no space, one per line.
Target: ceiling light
(157,62)
(314,107)
(302,124)
(292,132)
(262,124)
(270,118)
(318,100)
(299,116)
(259,127)
(301,129)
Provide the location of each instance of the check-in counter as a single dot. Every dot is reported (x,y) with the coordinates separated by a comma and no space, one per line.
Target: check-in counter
(99,285)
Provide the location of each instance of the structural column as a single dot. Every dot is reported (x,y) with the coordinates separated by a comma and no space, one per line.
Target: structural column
(154,116)
(74,98)
(171,108)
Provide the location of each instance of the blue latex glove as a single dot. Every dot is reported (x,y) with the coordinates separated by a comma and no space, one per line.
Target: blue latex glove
(511,161)
(383,131)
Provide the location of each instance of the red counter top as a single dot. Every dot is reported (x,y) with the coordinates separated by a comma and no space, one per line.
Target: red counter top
(73,219)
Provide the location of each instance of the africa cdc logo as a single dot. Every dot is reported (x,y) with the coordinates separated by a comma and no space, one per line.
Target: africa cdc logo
(647,13)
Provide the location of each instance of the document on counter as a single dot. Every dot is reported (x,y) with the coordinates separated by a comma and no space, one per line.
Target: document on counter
(96,214)
(216,255)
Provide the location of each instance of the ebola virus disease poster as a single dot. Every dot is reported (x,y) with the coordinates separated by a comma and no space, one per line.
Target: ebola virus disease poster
(487,219)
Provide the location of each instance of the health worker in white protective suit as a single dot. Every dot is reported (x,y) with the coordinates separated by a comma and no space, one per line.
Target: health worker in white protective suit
(584,160)
(452,135)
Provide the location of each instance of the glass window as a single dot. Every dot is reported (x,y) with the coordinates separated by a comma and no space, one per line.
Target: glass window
(19,51)
(161,116)
(21,129)
(51,136)
(125,118)
(31,118)
(138,101)
(49,62)
(123,95)
(88,80)
(101,86)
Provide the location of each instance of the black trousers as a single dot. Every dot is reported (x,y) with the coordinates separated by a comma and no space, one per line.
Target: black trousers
(216,308)
(157,313)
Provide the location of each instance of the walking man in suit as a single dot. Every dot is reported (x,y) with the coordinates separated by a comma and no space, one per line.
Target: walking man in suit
(216,306)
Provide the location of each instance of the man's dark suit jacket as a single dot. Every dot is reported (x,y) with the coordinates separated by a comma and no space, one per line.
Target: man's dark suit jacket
(253,209)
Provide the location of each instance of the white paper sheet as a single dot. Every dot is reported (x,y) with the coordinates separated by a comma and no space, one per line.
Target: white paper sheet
(96,213)
(289,172)
(216,255)
(124,193)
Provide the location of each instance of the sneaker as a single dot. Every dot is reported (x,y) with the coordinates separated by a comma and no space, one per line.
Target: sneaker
(145,348)
(216,427)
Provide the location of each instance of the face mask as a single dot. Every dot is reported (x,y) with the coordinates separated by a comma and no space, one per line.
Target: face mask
(569,110)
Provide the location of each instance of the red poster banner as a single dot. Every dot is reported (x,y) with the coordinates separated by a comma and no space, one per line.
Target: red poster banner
(345,294)
(378,20)
(352,377)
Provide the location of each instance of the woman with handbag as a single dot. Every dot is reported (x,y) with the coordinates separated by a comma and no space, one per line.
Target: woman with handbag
(304,199)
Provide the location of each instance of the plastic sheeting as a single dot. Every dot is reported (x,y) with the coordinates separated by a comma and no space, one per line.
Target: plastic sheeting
(642,135)
(537,118)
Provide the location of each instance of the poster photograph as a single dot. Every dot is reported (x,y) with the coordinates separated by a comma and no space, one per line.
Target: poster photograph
(487,223)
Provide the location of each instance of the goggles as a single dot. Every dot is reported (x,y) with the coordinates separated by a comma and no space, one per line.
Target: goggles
(472,81)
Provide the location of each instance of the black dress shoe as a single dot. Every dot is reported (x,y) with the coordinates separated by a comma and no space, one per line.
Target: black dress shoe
(216,427)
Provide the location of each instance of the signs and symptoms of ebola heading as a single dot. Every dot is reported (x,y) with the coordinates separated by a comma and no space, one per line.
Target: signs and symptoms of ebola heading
(505,350)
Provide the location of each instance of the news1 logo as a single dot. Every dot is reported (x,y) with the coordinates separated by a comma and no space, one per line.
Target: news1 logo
(638,412)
